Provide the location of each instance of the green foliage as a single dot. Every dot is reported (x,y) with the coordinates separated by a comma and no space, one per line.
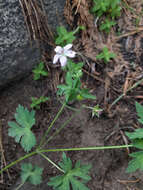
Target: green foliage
(39,71)
(115,8)
(139,109)
(85,94)
(37,101)
(106,25)
(64,37)
(105,55)
(21,129)
(110,8)
(72,89)
(137,136)
(71,176)
(137,140)
(75,69)
(99,7)
(136,163)
(31,173)
(96,110)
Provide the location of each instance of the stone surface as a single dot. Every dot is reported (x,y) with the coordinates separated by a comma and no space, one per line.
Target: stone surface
(17,57)
(54,10)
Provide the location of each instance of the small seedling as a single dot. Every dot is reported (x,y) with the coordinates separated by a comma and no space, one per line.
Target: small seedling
(106,25)
(71,177)
(64,37)
(96,110)
(99,7)
(111,8)
(21,129)
(39,71)
(105,55)
(37,101)
(115,8)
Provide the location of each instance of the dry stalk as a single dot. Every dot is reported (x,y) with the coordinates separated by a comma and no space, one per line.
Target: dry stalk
(36,22)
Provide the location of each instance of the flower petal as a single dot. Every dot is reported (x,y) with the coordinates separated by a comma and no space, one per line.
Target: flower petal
(58,49)
(56,57)
(63,61)
(67,47)
(70,53)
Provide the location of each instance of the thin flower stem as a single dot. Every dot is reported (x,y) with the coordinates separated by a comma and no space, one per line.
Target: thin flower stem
(122,95)
(88,107)
(76,30)
(51,162)
(62,150)
(86,148)
(18,160)
(51,125)
(20,186)
(62,126)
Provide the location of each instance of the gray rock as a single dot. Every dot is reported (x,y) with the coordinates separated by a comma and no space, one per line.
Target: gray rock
(17,57)
(55,10)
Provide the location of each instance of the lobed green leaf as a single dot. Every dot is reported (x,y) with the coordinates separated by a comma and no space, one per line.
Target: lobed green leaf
(71,176)
(21,129)
(31,173)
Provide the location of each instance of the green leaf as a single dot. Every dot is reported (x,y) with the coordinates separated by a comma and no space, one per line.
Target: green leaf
(139,109)
(136,163)
(137,140)
(39,71)
(21,129)
(75,69)
(37,101)
(64,37)
(100,7)
(105,55)
(136,137)
(106,25)
(77,185)
(71,176)
(138,143)
(86,95)
(69,80)
(31,173)
(110,8)
(137,134)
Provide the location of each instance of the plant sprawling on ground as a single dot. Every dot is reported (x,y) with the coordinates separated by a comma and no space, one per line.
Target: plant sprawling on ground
(73,176)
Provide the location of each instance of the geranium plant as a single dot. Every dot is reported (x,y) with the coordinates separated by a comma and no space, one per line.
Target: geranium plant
(72,177)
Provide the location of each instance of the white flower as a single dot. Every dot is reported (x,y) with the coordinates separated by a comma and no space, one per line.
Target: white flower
(63,53)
